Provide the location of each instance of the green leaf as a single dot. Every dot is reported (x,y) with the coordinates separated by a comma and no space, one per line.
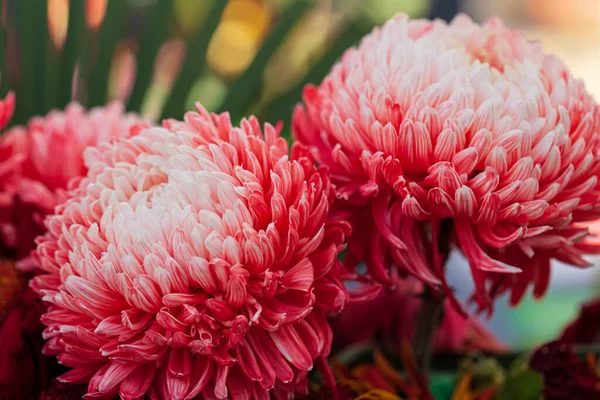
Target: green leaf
(281,108)
(193,63)
(247,87)
(51,76)
(3,49)
(521,383)
(153,36)
(31,25)
(442,386)
(209,90)
(73,51)
(519,365)
(107,38)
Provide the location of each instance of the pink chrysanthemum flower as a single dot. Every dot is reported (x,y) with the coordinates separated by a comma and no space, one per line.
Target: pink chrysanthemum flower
(193,260)
(426,121)
(37,162)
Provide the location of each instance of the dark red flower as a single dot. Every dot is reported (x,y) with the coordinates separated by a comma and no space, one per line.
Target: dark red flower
(64,391)
(586,328)
(566,376)
(24,372)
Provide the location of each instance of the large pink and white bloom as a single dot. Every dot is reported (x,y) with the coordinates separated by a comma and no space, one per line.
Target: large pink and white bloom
(427,121)
(38,160)
(194,259)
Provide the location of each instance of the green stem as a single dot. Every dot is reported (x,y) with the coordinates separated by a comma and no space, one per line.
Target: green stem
(428,319)
(432,301)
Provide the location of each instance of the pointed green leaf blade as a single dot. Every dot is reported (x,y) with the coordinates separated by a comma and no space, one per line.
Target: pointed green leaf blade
(107,37)
(51,78)
(31,22)
(153,36)
(281,108)
(72,52)
(3,45)
(193,63)
(246,88)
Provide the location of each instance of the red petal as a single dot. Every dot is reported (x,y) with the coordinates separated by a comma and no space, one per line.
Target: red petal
(180,362)
(236,291)
(247,362)
(309,337)
(299,277)
(239,386)
(382,220)
(137,383)
(323,261)
(270,352)
(203,371)
(476,256)
(220,381)
(291,347)
(264,360)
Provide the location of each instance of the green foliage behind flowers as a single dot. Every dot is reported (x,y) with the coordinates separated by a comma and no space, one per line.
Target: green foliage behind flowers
(241,45)
(553,371)
(520,383)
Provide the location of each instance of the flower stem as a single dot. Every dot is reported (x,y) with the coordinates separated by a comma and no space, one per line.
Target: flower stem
(428,319)
(432,301)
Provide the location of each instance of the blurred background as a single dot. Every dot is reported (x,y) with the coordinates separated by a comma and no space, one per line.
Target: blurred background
(254,56)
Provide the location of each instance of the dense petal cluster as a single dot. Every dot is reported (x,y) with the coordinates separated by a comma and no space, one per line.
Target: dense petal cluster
(37,162)
(566,375)
(427,121)
(195,259)
(386,316)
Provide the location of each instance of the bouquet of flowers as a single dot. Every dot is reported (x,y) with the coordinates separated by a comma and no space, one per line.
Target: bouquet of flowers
(201,258)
